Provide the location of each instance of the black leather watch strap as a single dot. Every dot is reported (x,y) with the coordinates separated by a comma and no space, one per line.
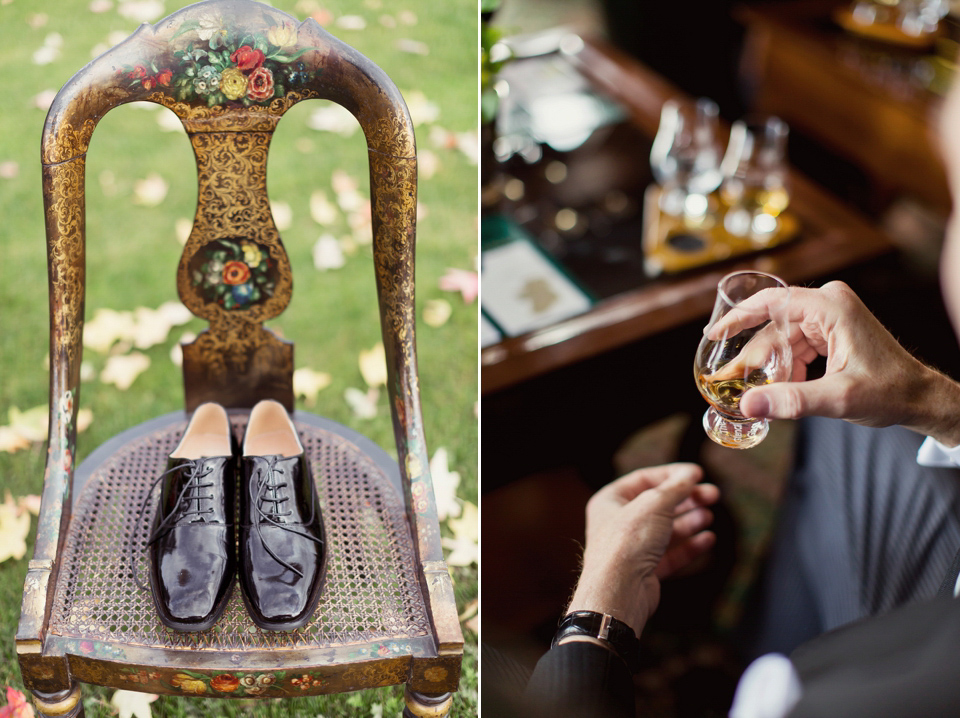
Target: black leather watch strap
(604,627)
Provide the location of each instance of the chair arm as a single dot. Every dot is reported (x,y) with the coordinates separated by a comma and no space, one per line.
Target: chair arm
(67,132)
(64,203)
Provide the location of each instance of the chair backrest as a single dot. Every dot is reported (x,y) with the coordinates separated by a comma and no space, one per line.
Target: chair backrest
(229,69)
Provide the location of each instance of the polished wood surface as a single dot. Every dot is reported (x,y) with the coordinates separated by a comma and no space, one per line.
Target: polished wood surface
(846,94)
(834,237)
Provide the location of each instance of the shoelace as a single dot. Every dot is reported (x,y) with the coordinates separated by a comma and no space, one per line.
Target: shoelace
(197,472)
(275,515)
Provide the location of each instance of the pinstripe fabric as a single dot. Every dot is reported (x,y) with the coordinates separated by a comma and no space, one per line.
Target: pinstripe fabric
(504,679)
(863,529)
(575,680)
(580,680)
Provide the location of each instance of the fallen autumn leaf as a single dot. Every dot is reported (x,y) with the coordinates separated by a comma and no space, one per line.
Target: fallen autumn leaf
(437,312)
(464,550)
(323,211)
(14,527)
(150,191)
(123,370)
(308,383)
(327,253)
(133,703)
(461,280)
(445,483)
(373,365)
(363,405)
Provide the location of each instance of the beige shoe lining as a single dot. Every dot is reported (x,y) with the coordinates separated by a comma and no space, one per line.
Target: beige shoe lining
(270,432)
(208,434)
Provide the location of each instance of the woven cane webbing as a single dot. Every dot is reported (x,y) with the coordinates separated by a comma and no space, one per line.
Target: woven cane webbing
(370,591)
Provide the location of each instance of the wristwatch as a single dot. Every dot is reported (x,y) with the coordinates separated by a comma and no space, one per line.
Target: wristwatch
(603,627)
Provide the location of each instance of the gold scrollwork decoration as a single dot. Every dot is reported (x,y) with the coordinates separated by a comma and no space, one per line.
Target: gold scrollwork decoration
(233,347)
(394,185)
(234,271)
(65,240)
(391,135)
(224,118)
(233,205)
(67,142)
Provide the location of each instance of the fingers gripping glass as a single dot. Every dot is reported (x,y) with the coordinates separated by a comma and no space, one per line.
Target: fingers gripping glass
(745,345)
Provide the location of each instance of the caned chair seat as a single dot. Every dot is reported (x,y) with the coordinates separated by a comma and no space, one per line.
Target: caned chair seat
(370,629)
(229,70)
(371,620)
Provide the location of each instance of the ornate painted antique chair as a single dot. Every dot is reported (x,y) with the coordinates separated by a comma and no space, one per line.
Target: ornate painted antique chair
(229,69)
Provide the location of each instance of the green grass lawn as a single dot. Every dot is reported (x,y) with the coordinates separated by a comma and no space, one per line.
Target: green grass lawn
(132,253)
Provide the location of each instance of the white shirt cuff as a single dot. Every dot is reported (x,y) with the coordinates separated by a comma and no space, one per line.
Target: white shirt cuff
(933,453)
(769,688)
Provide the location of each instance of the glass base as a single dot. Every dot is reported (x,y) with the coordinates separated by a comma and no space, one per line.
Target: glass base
(734,434)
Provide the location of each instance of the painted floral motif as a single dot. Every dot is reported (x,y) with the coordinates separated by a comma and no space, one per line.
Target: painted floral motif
(414,469)
(418,485)
(379,650)
(243,684)
(257,685)
(305,681)
(144,677)
(220,63)
(225,683)
(97,649)
(419,491)
(62,452)
(233,273)
(189,684)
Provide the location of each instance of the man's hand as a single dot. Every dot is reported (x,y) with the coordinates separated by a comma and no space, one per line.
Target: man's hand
(640,528)
(870,379)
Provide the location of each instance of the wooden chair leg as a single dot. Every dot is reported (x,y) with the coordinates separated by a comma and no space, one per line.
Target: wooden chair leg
(426,705)
(63,704)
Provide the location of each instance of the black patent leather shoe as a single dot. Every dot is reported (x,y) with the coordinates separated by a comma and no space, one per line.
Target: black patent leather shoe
(282,552)
(192,544)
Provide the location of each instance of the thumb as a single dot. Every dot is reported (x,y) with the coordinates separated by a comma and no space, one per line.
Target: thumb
(792,400)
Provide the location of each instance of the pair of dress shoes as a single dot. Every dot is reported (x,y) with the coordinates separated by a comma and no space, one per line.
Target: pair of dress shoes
(193,547)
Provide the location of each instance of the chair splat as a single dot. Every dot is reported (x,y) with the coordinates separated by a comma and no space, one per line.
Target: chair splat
(235,273)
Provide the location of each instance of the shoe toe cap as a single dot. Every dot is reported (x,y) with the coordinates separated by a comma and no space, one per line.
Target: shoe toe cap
(278,594)
(193,578)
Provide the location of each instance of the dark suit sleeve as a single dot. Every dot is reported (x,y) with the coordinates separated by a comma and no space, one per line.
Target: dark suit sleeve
(905,663)
(581,679)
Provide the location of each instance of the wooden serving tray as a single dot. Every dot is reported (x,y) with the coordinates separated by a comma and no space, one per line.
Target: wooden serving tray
(886,32)
(671,244)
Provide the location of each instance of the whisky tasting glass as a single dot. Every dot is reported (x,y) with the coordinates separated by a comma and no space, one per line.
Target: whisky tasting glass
(685,156)
(745,344)
(754,186)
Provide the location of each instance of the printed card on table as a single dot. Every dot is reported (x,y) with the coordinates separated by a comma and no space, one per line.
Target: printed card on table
(523,290)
